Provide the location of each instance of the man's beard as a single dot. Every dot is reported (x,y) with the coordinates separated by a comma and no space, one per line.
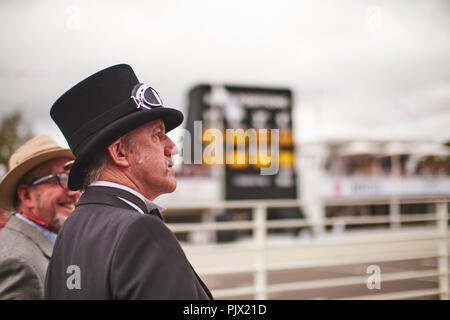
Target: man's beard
(58,221)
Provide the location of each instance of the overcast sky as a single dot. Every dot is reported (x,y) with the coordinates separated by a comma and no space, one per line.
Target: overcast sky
(358,69)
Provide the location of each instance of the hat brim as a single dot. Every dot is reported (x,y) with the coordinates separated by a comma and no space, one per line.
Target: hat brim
(9,183)
(172,118)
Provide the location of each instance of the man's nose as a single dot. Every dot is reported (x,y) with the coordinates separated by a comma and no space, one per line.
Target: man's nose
(171,148)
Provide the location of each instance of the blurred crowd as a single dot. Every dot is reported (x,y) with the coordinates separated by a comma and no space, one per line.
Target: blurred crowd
(372,165)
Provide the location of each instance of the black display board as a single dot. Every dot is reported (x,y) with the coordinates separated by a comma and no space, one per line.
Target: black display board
(244,114)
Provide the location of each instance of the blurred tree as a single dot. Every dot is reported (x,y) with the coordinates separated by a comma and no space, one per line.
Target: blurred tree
(14,131)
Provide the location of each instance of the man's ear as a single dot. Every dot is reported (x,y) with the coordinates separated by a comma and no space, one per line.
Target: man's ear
(118,153)
(23,193)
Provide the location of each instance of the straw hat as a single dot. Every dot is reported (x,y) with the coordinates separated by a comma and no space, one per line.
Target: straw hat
(34,152)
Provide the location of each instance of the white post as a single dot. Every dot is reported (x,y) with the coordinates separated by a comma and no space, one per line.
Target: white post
(260,236)
(210,216)
(394,206)
(443,267)
(394,214)
(316,210)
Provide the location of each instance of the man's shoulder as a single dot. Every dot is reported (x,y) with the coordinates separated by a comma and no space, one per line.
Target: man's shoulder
(13,242)
(15,233)
(100,218)
(17,246)
(104,211)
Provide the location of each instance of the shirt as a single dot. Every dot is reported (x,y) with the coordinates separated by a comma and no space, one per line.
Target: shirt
(150,205)
(51,236)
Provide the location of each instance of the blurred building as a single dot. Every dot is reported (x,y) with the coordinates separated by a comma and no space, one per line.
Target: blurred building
(371,171)
(355,169)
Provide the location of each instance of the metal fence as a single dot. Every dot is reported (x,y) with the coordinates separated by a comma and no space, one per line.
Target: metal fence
(262,255)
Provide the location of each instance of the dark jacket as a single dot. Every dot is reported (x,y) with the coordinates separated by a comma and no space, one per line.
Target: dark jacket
(119,253)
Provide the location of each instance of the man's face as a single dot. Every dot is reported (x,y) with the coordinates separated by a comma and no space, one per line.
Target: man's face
(150,158)
(49,201)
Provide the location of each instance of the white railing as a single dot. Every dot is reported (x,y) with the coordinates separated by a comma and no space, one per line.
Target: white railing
(260,255)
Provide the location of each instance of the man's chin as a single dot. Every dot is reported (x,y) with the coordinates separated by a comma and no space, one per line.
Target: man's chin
(172,188)
(59,220)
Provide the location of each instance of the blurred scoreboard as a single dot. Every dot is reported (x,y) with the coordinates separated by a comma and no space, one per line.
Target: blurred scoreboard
(246,117)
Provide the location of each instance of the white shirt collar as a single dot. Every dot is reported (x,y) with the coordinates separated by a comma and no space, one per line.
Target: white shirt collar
(150,205)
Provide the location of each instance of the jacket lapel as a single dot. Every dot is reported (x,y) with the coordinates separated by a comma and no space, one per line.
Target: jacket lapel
(109,196)
(31,233)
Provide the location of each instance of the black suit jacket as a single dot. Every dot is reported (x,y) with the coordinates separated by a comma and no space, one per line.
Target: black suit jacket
(119,253)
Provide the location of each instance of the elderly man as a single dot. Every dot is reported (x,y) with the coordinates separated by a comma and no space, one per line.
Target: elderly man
(115,244)
(35,188)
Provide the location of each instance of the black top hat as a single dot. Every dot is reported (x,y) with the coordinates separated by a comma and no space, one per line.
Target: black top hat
(99,110)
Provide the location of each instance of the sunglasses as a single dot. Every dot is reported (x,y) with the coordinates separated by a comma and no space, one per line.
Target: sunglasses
(62,177)
(146,97)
